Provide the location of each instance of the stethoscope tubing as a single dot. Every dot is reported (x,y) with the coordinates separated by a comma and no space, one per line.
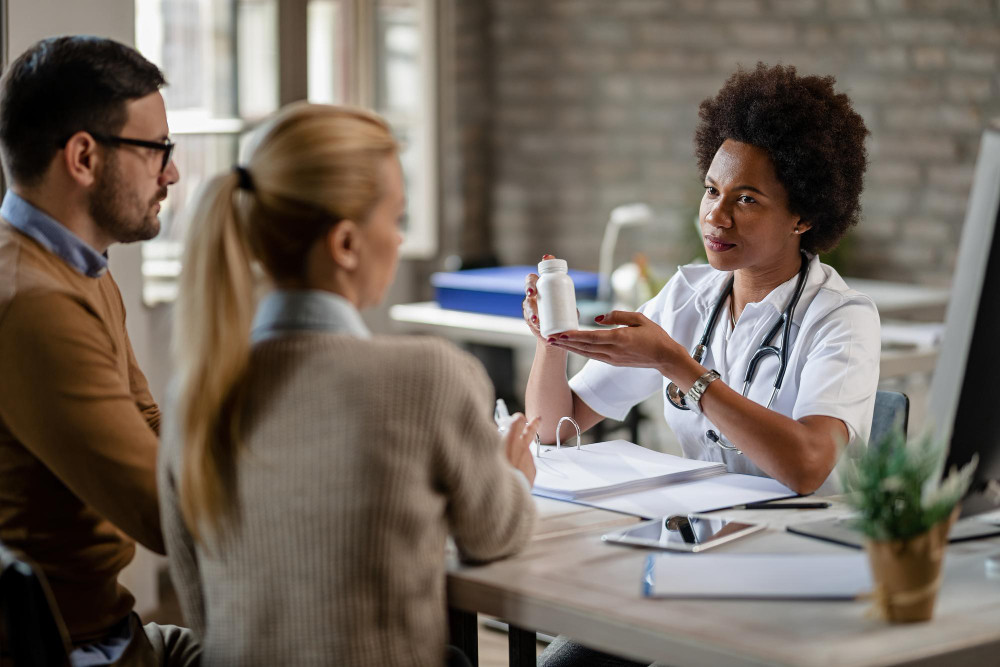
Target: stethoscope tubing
(784,323)
(764,349)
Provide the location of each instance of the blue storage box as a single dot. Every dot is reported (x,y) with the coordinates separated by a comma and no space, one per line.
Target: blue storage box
(497,290)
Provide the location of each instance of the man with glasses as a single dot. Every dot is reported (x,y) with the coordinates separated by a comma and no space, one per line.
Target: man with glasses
(86,153)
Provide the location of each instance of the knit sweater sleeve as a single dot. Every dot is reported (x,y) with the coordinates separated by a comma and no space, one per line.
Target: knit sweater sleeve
(183,558)
(64,398)
(490,512)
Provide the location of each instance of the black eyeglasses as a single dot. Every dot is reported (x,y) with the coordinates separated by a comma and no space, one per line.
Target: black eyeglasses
(166,146)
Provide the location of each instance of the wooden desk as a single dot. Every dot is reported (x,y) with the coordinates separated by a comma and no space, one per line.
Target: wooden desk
(568,582)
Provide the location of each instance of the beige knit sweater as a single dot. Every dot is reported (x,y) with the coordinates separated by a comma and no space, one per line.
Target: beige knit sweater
(360,457)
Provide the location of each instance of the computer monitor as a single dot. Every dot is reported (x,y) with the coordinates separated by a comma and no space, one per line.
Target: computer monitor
(964,402)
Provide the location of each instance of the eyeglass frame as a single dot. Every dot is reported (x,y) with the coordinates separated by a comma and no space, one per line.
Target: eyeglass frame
(167,146)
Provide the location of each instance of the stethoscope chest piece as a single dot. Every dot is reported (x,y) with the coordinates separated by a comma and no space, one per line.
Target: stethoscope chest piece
(714,436)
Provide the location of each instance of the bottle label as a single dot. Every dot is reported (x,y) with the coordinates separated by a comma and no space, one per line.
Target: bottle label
(556,304)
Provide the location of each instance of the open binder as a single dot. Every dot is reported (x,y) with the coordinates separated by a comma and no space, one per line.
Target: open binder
(616,466)
(623,477)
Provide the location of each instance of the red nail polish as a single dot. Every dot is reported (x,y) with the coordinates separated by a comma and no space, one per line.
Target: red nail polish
(599,318)
(534,318)
(531,292)
(552,339)
(564,337)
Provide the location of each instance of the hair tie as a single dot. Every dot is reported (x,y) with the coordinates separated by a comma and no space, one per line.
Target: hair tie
(245,180)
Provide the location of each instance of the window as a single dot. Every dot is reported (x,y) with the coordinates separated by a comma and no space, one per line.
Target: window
(377,54)
(230,63)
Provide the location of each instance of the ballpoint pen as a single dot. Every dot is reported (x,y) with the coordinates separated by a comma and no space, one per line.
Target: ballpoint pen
(782,506)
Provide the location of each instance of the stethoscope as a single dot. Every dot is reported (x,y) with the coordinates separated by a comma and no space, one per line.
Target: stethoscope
(676,397)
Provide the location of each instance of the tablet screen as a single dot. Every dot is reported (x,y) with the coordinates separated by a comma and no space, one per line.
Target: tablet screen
(683,532)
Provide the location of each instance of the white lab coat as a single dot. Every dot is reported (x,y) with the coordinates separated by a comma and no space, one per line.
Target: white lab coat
(832,370)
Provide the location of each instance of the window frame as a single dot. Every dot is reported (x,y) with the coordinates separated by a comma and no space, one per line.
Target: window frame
(421,238)
(423,242)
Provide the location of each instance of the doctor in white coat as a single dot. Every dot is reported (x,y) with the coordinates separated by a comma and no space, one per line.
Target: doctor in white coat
(783,160)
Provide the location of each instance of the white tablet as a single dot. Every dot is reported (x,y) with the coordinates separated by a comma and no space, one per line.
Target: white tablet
(683,532)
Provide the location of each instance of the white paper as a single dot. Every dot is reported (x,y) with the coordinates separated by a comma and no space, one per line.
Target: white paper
(700,496)
(706,575)
(914,334)
(614,466)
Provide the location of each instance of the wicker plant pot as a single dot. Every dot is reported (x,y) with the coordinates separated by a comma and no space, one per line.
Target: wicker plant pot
(907,573)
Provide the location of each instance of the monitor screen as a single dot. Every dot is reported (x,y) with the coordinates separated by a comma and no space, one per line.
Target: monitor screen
(964,402)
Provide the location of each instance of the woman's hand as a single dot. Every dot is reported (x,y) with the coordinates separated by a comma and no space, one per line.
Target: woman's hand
(529,307)
(641,343)
(516,440)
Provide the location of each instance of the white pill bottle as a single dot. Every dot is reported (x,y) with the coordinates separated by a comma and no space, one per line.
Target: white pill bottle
(556,298)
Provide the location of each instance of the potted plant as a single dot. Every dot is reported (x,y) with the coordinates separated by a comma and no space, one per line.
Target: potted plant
(905,511)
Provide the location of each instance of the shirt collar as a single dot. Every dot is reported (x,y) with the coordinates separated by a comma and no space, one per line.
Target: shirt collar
(52,235)
(777,300)
(707,284)
(285,311)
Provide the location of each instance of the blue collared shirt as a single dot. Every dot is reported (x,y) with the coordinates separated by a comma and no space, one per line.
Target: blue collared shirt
(52,235)
(287,311)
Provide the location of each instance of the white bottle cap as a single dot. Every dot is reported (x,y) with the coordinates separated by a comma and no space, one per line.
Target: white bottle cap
(553,265)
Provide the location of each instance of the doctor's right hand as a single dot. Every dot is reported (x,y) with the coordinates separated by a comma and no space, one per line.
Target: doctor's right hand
(516,440)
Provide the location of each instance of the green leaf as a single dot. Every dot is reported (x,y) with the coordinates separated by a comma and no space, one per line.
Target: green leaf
(895,488)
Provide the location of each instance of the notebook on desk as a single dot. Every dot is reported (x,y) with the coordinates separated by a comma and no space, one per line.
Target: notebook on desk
(777,576)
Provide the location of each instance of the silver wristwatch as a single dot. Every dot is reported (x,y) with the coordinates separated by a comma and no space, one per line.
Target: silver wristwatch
(693,396)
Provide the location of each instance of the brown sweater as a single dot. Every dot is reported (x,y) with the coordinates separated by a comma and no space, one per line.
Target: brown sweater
(78,433)
(359,457)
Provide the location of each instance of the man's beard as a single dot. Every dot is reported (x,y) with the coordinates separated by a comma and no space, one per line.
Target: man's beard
(118,212)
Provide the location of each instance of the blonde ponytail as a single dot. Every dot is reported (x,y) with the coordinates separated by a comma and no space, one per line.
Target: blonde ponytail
(309,167)
(212,338)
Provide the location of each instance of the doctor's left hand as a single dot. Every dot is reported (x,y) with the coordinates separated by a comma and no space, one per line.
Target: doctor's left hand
(640,343)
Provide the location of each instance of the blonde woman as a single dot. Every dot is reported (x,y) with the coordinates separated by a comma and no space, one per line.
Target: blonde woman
(312,471)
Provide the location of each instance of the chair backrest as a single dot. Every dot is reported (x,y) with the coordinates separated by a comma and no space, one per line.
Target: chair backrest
(33,631)
(891,408)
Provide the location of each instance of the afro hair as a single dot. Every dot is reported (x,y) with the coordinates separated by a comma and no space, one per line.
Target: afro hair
(813,136)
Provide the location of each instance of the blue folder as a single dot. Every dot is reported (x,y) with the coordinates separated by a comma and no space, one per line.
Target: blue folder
(497,290)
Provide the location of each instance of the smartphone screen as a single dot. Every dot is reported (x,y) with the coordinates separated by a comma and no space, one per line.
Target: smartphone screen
(683,532)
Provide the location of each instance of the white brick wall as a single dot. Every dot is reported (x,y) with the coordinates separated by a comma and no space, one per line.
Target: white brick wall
(587,104)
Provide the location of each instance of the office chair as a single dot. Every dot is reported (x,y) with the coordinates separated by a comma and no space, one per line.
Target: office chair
(891,408)
(33,631)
